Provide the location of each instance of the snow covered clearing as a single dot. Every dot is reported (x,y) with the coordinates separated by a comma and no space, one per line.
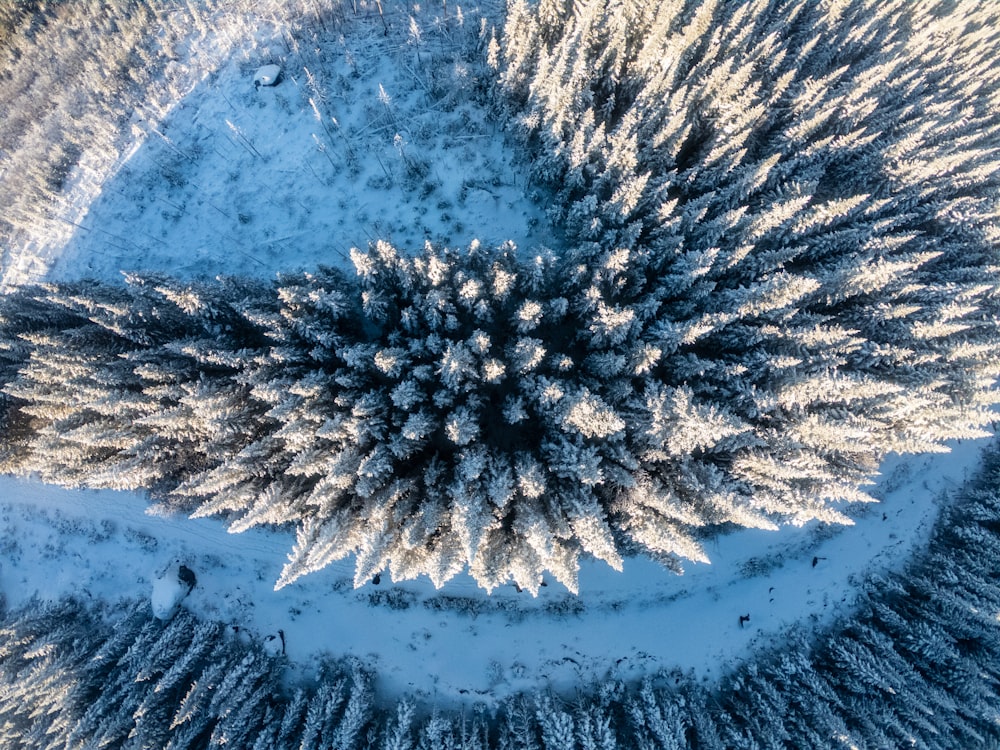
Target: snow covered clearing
(458,646)
(363,138)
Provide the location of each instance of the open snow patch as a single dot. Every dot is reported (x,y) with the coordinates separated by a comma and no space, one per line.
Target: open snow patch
(362,141)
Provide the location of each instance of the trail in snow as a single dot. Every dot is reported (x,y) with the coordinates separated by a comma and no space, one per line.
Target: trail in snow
(458,645)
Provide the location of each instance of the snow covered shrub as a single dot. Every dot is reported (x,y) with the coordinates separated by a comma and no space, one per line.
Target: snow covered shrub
(780,266)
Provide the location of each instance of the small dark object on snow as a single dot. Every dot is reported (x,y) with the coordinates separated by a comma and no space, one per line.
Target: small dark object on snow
(885,517)
(281,634)
(816,560)
(377,579)
(743,619)
(186,575)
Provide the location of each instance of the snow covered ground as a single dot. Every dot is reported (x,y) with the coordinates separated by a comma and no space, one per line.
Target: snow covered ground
(362,140)
(457,645)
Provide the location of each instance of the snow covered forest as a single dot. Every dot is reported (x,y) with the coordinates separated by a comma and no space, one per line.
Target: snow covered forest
(696,267)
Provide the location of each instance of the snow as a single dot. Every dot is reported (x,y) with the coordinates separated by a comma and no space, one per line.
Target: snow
(457,646)
(274,644)
(232,179)
(353,146)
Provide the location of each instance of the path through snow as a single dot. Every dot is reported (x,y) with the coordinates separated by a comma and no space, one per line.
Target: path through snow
(458,645)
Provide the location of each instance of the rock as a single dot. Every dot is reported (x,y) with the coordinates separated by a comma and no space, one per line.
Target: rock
(169,590)
(267,75)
